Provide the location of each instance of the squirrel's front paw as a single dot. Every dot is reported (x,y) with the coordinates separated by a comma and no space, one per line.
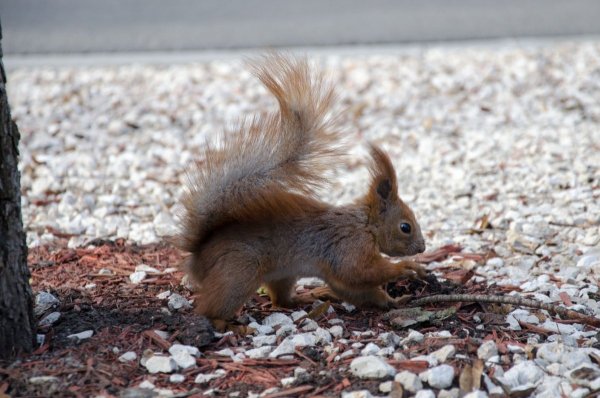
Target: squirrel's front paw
(418,271)
(400,302)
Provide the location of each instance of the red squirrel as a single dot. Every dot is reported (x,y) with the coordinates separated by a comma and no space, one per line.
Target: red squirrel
(252,216)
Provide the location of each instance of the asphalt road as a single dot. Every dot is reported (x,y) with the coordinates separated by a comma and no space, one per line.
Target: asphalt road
(78,26)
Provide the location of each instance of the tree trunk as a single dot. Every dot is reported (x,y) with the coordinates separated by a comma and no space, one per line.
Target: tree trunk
(16,305)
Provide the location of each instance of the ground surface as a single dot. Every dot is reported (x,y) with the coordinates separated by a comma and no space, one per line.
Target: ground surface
(496,151)
(95,293)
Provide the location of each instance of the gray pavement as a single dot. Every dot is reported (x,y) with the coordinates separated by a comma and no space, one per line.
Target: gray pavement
(79,26)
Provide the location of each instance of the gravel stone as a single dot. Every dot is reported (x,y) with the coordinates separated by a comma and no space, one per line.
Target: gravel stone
(49,319)
(522,376)
(259,341)
(587,375)
(444,353)
(160,364)
(303,340)
(287,381)
(336,331)
(575,359)
(386,351)
(81,335)
(183,359)
(386,387)
(298,314)
(178,302)
(413,337)
(440,376)
(487,350)
(452,393)
(308,325)
(202,378)
(591,259)
(286,330)
(370,349)
(261,329)
(260,352)
(128,356)
(357,394)
(43,302)
(105,271)
(147,384)
(289,344)
(322,336)
(371,367)
(390,339)
(137,277)
(176,348)
(410,381)
(425,394)
(43,380)
(176,378)
(162,333)
(226,352)
(476,394)
(276,319)
(147,269)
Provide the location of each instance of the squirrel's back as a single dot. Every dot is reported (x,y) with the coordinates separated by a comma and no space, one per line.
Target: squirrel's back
(274,164)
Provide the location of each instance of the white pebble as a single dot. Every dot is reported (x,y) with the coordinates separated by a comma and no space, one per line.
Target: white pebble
(175,348)
(183,359)
(371,367)
(277,318)
(260,352)
(202,378)
(160,364)
(425,394)
(487,350)
(336,331)
(177,302)
(176,378)
(81,335)
(440,376)
(137,277)
(128,356)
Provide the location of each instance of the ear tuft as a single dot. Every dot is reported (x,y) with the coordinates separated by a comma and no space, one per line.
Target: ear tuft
(384,188)
(383,175)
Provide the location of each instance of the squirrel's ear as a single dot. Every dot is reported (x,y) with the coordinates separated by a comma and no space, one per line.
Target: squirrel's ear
(384,185)
(384,189)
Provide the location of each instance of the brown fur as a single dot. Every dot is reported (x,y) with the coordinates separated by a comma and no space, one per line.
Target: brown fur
(252,217)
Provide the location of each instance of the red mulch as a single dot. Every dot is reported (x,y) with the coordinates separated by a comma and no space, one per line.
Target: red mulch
(124,316)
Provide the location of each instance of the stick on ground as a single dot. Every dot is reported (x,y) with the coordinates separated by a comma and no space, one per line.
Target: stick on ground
(516,301)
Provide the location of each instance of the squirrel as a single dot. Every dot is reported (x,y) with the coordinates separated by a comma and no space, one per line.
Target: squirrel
(251,214)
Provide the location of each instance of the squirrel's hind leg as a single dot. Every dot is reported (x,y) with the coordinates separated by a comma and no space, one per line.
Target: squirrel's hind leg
(227,285)
(282,294)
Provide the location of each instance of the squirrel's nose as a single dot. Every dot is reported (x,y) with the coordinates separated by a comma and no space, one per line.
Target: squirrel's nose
(421,247)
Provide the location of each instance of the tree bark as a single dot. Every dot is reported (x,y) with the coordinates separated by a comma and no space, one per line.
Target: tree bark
(16,299)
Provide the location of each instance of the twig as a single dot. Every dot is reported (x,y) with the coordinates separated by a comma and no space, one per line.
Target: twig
(517,301)
(159,341)
(535,329)
(290,392)
(300,354)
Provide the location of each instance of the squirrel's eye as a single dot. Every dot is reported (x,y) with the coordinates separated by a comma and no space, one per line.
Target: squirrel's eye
(404,227)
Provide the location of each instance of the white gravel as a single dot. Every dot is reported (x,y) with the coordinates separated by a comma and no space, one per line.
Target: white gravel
(511,133)
(371,367)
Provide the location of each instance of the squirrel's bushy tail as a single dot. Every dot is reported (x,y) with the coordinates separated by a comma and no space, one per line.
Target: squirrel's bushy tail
(255,173)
